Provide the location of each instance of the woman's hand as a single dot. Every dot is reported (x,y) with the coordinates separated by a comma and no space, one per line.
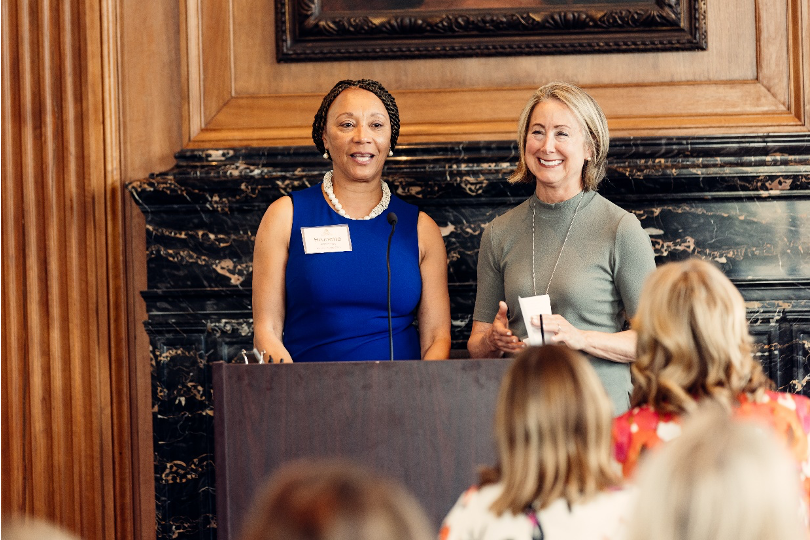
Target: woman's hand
(491,340)
(499,337)
(278,355)
(562,331)
(617,347)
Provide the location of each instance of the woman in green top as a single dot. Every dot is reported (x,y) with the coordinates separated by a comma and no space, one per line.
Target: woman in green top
(566,241)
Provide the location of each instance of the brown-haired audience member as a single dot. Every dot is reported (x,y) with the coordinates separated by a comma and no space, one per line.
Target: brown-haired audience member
(720,480)
(30,528)
(589,256)
(321,258)
(555,478)
(694,347)
(326,499)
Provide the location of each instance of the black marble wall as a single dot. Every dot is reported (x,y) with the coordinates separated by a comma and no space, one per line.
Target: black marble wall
(741,201)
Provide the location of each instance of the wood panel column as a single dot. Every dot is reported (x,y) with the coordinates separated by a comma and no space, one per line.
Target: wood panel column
(66,437)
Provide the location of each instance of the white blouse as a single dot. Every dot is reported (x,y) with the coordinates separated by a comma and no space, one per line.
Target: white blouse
(605,517)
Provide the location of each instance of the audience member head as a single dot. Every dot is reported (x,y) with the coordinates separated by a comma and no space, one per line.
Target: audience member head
(722,479)
(592,123)
(693,340)
(29,528)
(552,425)
(319,122)
(334,500)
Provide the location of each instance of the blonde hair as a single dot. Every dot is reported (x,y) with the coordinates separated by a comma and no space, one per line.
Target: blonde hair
(592,122)
(722,479)
(333,499)
(693,340)
(553,426)
(31,528)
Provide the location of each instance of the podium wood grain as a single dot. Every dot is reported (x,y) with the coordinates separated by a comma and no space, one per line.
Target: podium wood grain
(426,424)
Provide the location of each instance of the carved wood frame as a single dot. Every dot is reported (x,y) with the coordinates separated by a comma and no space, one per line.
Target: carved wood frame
(304,33)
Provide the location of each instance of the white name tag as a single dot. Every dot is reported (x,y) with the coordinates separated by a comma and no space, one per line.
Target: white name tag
(531,307)
(328,239)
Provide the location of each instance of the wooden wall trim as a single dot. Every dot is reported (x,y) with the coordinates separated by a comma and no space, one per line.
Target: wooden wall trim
(132,498)
(748,107)
(775,100)
(153,123)
(782,53)
(66,403)
(14,391)
(190,42)
(799,41)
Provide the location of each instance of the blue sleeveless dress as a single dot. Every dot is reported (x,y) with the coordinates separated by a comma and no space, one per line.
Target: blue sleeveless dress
(337,303)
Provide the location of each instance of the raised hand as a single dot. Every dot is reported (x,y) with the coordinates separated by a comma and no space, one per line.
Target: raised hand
(500,337)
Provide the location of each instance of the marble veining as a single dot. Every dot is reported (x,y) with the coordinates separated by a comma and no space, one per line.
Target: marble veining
(742,201)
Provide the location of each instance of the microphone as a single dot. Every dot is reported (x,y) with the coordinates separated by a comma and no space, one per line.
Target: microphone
(392,219)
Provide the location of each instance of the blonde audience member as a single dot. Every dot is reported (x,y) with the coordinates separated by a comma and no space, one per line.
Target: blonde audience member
(720,480)
(694,347)
(335,500)
(555,477)
(30,528)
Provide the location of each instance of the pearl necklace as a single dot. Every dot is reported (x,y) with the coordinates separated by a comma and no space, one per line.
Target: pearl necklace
(376,211)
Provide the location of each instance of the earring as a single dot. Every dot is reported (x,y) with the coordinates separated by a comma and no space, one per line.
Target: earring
(390,152)
(326,155)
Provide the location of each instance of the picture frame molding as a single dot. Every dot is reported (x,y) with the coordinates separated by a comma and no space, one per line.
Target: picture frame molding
(305,33)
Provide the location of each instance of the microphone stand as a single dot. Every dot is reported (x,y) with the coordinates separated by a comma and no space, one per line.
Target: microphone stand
(392,219)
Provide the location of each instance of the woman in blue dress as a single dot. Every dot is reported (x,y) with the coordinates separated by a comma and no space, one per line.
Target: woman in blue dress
(320,277)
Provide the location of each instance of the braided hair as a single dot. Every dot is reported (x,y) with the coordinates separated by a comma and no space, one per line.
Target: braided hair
(319,123)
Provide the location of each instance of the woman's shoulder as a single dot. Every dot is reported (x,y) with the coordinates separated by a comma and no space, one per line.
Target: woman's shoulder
(611,212)
(644,417)
(307,192)
(772,398)
(638,431)
(404,209)
(479,498)
(788,415)
(605,516)
(511,219)
(774,403)
(278,216)
(610,501)
(471,517)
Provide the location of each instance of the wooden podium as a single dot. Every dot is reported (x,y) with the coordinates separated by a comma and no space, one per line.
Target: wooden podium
(426,424)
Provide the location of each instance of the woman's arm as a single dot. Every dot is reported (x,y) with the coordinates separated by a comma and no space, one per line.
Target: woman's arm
(269,266)
(491,339)
(434,307)
(618,346)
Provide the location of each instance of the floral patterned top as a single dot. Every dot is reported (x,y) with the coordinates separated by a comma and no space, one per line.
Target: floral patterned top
(605,517)
(641,429)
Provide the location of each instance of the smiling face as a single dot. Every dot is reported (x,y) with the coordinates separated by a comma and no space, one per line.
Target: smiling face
(357,135)
(556,151)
